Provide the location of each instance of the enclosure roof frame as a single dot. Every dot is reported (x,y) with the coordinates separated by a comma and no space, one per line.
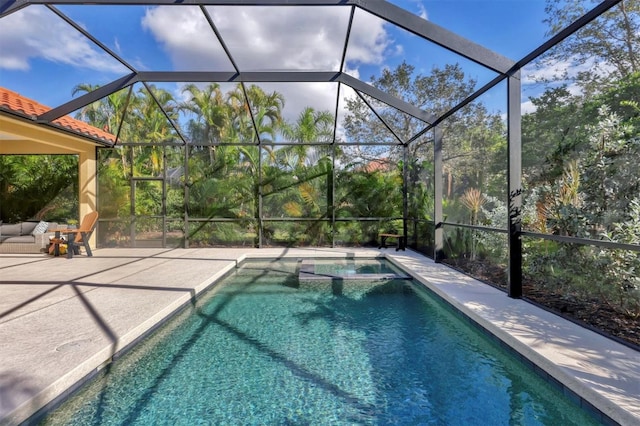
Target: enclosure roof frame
(504,67)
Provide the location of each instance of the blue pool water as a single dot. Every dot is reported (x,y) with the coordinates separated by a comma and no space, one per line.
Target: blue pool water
(261,349)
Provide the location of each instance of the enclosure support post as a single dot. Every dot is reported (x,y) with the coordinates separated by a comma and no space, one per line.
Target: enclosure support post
(186,196)
(514,185)
(132,198)
(331,201)
(164,196)
(405,189)
(438,253)
(258,200)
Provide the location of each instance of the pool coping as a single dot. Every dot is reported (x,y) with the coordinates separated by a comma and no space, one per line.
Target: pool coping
(604,379)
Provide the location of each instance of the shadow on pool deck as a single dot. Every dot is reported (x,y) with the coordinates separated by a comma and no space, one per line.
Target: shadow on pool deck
(64,323)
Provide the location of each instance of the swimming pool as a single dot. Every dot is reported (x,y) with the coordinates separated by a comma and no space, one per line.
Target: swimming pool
(262,349)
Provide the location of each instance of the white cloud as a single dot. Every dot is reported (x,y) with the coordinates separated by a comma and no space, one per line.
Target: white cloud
(543,75)
(187,38)
(52,40)
(369,39)
(563,71)
(547,71)
(116,45)
(540,76)
(527,107)
(355,72)
(422,10)
(268,38)
(272,38)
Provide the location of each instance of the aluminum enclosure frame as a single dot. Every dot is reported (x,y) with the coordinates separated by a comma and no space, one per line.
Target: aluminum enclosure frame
(505,68)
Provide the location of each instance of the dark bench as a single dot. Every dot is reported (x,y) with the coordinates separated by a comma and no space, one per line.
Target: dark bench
(399,237)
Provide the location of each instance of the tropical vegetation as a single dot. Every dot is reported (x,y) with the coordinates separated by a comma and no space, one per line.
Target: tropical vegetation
(223,168)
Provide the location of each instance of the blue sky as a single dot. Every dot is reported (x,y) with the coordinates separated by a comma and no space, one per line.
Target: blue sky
(43,58)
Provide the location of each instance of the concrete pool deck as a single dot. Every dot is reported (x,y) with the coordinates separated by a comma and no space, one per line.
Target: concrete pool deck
(63,319)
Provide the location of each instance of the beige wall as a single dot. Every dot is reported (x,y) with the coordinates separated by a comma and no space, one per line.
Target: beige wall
(20,137)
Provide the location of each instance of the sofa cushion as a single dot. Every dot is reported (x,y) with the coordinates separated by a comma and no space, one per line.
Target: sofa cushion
(19,239)
(10,230)
(40,228)
(27,228)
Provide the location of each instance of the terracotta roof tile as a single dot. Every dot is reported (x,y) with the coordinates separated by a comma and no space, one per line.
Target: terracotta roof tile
(19,104)
(382,165)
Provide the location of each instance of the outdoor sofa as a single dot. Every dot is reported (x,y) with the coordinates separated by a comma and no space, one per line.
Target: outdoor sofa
(26,237)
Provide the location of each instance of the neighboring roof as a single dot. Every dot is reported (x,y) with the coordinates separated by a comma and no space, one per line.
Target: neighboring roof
(16,103)
(381,165)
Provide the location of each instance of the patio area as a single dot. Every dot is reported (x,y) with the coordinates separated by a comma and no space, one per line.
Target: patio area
(62,320)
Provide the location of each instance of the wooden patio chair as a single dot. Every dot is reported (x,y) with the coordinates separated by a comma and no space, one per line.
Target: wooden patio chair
(75,237)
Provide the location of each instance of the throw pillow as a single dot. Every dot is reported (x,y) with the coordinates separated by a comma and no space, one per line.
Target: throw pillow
(40,228)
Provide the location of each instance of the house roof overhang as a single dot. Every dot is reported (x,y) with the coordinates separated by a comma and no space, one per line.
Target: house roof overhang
(22,133)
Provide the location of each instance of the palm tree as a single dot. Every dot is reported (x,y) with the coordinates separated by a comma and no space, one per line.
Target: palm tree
(105,114)
(267,112)
(302,184)
(108,114)
(152,125)
(310,126)
(211,114)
